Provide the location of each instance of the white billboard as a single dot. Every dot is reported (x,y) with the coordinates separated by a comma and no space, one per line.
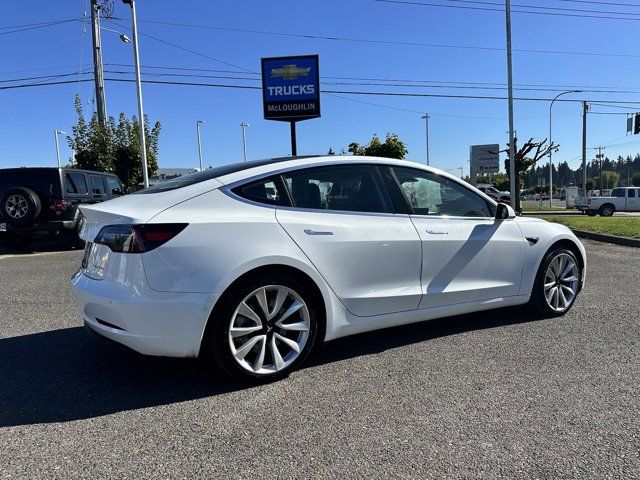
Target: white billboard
(485,158)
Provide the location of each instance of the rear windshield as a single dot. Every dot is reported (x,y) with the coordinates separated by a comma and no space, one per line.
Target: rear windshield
(210,174)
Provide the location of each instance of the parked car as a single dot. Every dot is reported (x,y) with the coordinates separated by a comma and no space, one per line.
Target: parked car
(36,201)
(497,195)
(621,200)
(253,264)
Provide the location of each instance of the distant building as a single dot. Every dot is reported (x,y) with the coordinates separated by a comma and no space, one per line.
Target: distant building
(165,174)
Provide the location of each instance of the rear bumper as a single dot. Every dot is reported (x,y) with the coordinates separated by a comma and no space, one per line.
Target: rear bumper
(149,322)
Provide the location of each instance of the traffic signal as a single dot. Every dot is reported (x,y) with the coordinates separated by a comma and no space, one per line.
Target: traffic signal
(636,125)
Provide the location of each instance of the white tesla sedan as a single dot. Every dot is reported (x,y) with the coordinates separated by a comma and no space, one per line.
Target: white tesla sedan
(254,263)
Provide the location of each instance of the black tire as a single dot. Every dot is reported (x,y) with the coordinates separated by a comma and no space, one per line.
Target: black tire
(218,347)
(591,213)
(20,206)
(538,299)
(606,210)
(74,235)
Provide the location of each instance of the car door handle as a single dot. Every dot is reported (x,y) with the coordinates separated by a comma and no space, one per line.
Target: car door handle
(316,232)
(435,231)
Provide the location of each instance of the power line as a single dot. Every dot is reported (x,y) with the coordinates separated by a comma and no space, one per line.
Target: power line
(488,9)
(544,7)
(602,3)
(337,38)
(49,24)
(343,92)
(184,48)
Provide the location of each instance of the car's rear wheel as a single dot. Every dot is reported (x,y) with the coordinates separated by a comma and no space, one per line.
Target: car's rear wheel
(557,283)
(264,328)
(607,210)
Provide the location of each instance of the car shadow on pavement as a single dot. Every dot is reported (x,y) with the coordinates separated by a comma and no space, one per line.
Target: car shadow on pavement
(39,245)
(64,375)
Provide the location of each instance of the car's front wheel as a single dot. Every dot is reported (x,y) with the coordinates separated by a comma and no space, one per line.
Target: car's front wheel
(264,328)
(557,283)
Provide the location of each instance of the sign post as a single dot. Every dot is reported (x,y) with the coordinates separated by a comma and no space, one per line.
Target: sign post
(484,159)
(291,90)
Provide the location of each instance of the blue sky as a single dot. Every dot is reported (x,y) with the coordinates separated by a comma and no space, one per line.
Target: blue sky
(29,115)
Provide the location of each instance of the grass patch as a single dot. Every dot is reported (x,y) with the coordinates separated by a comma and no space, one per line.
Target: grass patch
(619,226)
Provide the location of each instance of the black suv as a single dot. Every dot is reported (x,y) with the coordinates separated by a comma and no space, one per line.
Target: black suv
(45,200)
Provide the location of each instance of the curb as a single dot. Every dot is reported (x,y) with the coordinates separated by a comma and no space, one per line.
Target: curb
(600,237)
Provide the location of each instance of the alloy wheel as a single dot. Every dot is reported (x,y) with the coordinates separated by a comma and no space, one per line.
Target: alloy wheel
(16,206)
(561,282)
(269,329)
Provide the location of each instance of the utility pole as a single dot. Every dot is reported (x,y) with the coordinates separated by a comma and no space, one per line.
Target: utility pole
(98,75)
(600,156)
(198,123)
(585,109)
(512,150)
(425,117)
(244,125)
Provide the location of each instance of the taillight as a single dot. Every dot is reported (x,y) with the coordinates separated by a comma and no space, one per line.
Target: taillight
(61,205)
(137,238)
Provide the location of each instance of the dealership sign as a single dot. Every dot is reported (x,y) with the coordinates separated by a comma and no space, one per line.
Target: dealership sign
(291,88)
(485,158)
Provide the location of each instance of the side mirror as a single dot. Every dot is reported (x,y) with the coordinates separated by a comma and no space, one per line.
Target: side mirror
(116,191)
(504,211)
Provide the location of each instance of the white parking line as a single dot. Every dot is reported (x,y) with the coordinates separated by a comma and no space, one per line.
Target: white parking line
(29,255)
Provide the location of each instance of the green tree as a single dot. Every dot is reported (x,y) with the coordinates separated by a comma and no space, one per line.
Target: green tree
(609,179)
(635,180)
(392,147)
(114,148)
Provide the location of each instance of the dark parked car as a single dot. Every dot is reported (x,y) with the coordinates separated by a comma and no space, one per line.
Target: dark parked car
(35,201)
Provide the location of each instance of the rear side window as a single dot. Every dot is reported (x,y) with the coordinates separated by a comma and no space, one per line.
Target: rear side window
(353,188)
(267,191)
(97,185)
(618,192)
(75,183)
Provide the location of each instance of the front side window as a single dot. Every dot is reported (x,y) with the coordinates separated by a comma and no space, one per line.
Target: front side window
(75,183)
(434,195)
(354,188)
(632,193)
(263,191)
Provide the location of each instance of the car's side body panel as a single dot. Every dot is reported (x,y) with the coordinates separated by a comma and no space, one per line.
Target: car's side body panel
(469,259)
(371,261)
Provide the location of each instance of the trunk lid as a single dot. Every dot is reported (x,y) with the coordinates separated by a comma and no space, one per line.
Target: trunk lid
(137,208)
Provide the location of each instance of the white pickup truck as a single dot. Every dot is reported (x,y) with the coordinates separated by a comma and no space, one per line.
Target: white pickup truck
(621,200)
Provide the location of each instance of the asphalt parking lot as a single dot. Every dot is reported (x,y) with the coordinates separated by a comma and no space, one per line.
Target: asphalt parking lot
(491,395)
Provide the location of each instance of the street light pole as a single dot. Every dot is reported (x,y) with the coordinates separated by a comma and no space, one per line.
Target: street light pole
(512,150)
(55,137)
(244,125)
(550,142)
(136,58)
(425,117)
(198,123)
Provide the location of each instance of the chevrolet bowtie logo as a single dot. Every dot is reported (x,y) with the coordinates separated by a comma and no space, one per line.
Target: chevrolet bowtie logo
(290,72)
